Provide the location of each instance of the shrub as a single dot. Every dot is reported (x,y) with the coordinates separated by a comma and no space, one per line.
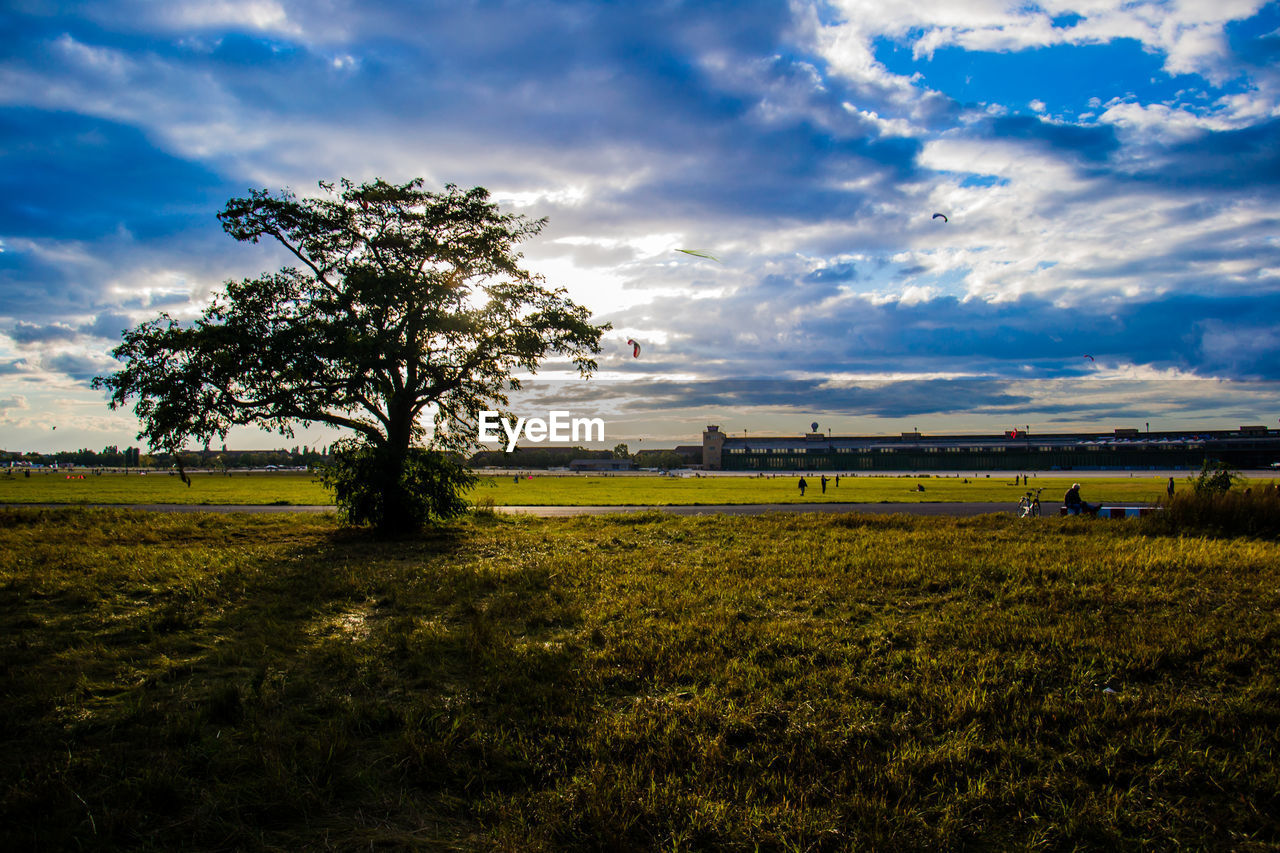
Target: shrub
(374,486)
(1215,478)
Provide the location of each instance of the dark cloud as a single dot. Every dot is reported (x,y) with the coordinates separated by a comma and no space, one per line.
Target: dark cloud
(68,176)
(880,399)
(107,325)
(80,368)
(1012,402)
(264,55)
(792,173)
(8,404)
(1090,144)
(556,78)
(1025,337)
(14,366)
(164,299)
(30,333)
(37,286)
(1222,160)
(837,273)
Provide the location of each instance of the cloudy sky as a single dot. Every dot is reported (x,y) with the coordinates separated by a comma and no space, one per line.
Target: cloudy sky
(1110,174)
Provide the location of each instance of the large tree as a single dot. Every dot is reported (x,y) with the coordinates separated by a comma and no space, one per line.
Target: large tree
(406,314)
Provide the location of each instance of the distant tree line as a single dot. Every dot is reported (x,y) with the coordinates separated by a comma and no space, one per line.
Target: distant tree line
(296,457)
(664,459)
(133,457)
(535,457)
(560,457)
(112,456)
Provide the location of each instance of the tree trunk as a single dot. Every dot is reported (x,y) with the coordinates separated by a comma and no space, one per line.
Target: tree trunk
(398,515)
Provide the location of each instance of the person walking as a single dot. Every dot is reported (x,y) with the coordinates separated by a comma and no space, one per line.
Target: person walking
(824,484)
(1169,488)
(803,486)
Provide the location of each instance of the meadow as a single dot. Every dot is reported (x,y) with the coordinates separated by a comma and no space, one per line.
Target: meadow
(302,489)
(640,682)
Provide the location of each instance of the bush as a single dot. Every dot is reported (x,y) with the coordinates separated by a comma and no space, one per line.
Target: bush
(1254,511)
(1215,478)
(376,486)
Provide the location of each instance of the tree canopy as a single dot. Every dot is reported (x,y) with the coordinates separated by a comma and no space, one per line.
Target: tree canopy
(406,313)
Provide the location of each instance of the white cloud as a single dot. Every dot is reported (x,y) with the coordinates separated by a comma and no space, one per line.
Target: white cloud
(886,126)
(1074,237)
(184,16)
(12,403)
(1161,124)
(1190,35)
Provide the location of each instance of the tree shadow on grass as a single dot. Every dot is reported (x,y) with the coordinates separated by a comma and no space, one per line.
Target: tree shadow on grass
(592,684)
(337,690)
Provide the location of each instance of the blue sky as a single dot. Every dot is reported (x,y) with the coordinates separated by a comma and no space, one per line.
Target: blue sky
(1110,173)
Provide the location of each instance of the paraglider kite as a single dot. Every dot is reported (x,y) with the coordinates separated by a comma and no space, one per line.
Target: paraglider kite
(698,254)
(635,348)
(1090,358)
(942,216)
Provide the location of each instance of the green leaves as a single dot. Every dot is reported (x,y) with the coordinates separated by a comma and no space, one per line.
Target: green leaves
(1215,478)
(372,486)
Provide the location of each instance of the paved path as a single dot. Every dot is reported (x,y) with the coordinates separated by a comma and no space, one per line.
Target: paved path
(938,508)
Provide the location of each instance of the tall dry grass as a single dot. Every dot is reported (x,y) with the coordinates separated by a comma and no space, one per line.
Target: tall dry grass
(1251,511)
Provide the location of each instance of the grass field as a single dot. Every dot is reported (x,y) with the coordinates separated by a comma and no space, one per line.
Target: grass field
(663,491)
(295,488)
(643,682)
(300,489)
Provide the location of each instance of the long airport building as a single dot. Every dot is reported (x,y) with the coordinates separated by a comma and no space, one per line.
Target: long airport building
(1249,447)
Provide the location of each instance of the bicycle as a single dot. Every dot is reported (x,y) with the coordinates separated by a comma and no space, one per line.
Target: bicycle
(1029,504)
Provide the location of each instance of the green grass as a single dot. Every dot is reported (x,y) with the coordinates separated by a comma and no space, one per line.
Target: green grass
(635,682)
(667,491)
(301,489)
(281,487)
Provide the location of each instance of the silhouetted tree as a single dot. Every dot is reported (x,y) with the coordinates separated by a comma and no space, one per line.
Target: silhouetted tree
(406,315)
